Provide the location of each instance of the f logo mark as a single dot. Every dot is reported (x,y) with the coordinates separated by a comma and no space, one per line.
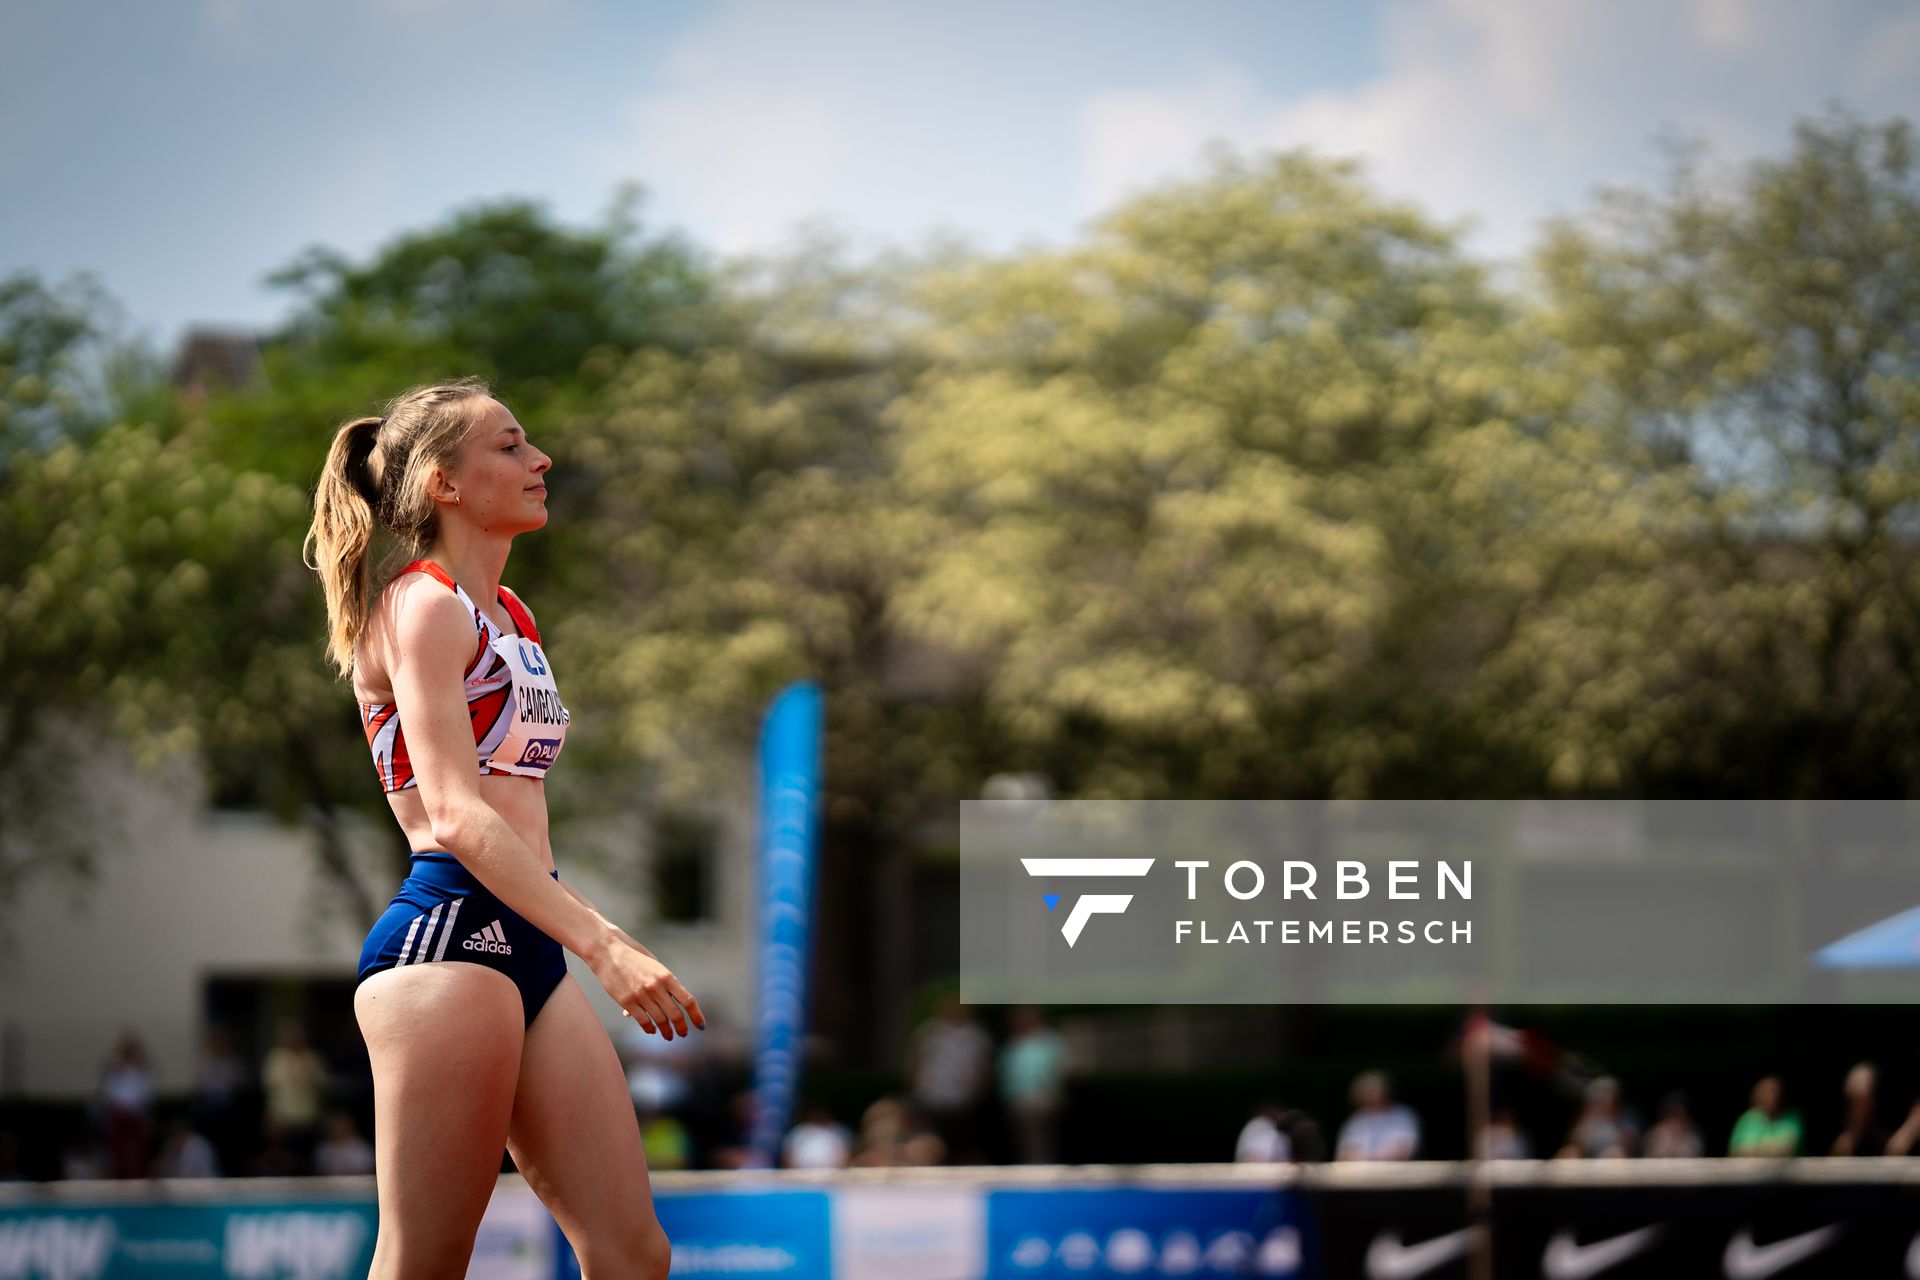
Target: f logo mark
(1091,904)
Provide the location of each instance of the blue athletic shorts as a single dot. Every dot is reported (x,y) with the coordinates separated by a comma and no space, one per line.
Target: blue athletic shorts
(443,912)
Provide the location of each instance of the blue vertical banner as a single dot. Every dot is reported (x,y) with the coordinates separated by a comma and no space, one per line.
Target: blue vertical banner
(790,753)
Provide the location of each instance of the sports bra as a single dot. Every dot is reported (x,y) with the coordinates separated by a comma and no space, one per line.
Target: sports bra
(518,719)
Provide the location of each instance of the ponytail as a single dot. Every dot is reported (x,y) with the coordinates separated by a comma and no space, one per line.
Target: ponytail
(359,492)
(338,542)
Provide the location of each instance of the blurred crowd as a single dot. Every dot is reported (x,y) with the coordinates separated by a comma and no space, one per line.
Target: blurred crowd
(966,1100)
(282,1116)
(288,1113)
(1605,1126)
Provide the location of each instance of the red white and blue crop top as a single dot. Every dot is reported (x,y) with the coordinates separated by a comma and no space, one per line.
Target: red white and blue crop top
(518,719)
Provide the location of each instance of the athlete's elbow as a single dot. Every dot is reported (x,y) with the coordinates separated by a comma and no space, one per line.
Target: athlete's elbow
(453,822)
(446,835)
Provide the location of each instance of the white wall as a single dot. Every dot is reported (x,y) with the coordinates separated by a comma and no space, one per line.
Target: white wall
(185,893)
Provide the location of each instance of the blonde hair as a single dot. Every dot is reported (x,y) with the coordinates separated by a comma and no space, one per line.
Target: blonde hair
(376,474)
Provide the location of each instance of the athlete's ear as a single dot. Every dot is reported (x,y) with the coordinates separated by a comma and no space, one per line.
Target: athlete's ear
(440,488)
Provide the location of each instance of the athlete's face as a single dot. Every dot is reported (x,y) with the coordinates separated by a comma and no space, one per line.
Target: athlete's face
(500,476)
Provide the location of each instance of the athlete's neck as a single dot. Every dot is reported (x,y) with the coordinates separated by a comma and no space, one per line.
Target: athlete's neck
(474,560)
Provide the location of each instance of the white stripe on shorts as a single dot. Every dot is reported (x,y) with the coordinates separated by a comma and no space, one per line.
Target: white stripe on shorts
(408,944)
(447,932)
(426,939)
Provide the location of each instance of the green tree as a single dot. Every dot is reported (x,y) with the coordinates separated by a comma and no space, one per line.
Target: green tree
(1761,336)
(154,566)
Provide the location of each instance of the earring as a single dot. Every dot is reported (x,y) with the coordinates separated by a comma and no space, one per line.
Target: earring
(456,499)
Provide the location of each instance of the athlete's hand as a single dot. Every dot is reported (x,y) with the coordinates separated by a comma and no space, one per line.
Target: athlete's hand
(647,991)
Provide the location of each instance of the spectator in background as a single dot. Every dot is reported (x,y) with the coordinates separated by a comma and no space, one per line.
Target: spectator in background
(10,1169)
(951,1057)
(817,1142)
(1263,1139)
(185,1154)
(342,1151)
(1864,1135)
(1907,1136)
(1309,1144)
(1502,1139)
(1030,1072)
(658,1071)
(719,1071)
(1604,1129)
(1674,1135)
(731,1150)
(295,1080)
(1764,1130)
(882,1130)
(664,1139)
(220,1085)
(891,1135)
(279,1156)
(1379,1128)
(126,1108)
(83,1159)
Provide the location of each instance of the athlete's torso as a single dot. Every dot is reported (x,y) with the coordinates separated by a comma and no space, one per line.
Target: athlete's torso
(519,722)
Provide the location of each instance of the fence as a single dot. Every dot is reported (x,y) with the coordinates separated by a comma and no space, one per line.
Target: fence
(1741,1219)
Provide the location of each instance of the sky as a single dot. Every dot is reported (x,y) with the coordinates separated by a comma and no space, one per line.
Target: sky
(181,150)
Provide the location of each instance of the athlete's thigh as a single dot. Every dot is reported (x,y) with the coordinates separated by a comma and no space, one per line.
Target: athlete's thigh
(444,1040)
(575,1139)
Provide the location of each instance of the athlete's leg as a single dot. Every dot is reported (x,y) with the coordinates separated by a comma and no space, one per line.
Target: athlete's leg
(445,1042)
(575,1139)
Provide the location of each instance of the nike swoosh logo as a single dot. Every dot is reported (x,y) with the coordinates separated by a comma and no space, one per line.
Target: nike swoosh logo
(1565,1260)
(1388,1259)
(1746,1260)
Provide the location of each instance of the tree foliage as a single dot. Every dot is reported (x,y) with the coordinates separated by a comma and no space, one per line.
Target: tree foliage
(1261,487)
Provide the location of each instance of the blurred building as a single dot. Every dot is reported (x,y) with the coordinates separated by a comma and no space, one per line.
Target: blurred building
(199,916)
(215,359)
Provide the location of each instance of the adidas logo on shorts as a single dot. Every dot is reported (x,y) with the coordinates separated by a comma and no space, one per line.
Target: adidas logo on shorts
(492,938)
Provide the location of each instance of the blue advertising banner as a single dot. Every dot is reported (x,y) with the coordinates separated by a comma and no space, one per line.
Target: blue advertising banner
(744,1235)
(292,1240)
(1132,1231)
(790,748)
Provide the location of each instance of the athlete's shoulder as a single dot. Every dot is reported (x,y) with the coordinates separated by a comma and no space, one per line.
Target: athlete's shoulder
(428,616)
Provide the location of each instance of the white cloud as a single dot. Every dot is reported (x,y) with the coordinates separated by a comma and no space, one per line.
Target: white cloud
(1722,24)
(767,115)
(747,160)
(1890,57)
(1505,112)
(751,127)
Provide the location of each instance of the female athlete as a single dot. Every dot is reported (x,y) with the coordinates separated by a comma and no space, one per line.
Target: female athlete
(478,1037)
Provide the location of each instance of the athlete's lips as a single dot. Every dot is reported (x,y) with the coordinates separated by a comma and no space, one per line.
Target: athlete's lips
(536,488)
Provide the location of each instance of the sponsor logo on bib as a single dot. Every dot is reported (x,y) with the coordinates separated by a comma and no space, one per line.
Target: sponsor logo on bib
(540,753)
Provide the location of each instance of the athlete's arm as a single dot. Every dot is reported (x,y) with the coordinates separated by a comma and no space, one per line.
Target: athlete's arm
(434,640)
(600,915)
(692,1005)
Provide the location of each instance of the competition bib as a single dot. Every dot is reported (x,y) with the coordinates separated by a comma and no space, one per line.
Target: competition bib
(539,718)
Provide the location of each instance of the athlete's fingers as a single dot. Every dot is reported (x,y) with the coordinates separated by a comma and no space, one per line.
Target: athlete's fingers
(692,1006)
(654,1010)
(676,1019)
